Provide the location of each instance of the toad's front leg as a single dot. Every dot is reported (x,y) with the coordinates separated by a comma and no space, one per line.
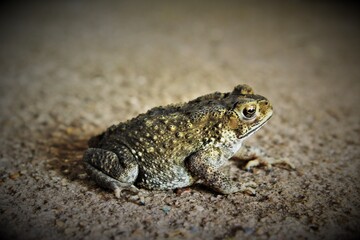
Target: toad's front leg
(112,171)
(203,165)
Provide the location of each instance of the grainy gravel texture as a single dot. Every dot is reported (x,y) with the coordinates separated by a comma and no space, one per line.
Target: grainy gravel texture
(70,69)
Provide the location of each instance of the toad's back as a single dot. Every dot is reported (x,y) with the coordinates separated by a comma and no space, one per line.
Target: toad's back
(168,133)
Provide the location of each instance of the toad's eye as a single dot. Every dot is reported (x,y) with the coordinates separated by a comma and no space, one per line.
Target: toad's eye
(249,112)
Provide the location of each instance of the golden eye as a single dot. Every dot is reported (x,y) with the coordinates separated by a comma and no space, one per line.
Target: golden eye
(249,112)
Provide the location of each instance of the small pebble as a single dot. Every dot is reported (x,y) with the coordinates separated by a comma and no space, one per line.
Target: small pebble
(82,175)
(199,208)
(64,182)
(166,209)
(14,175)
(59,223)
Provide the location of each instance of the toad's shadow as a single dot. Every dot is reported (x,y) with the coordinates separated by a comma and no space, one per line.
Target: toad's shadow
(66,149)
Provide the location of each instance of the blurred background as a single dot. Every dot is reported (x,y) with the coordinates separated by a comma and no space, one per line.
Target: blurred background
(147,53)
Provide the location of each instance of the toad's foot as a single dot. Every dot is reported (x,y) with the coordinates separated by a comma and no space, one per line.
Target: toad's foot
(249,188)
(119,187)
(130,192)
(256,157)
(268,162)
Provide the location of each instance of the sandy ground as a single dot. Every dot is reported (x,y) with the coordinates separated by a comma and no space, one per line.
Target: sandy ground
(70,70)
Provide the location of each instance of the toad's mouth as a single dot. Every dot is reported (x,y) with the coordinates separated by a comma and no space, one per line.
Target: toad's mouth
(255,128)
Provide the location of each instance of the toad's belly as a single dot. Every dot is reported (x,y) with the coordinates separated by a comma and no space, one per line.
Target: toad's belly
(166,177)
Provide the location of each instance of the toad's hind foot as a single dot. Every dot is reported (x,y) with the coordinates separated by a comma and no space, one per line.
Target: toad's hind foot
(119,187)
(108,182)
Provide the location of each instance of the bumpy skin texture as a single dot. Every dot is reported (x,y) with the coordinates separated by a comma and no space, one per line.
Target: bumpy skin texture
(176,145)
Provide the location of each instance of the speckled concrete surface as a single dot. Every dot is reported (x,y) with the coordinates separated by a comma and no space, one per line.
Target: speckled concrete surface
(70,70)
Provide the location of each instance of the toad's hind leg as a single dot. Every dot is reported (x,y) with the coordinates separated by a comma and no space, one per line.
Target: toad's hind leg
(109,171)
